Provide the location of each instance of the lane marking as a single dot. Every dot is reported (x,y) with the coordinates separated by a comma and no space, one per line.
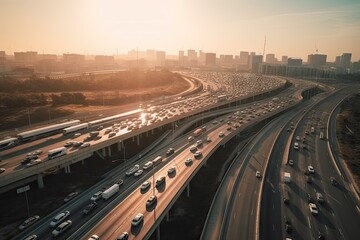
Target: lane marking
(309,222)
(273,228)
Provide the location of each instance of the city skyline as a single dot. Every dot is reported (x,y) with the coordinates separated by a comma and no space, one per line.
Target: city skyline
(294,29)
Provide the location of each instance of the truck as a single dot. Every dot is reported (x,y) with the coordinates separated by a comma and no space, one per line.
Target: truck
(287,177)
(197,132)
(110,191)
(75,128)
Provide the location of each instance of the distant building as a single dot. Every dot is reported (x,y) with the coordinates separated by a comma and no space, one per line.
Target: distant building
(345,60)
(294,62)
(25,58)
(2,61)
(160,58)
(73,62)
(356,66)
(104,62)
(255,61)
(151,55)
(284,59)
(270,58)
(181,58)
(338,61)
(210,59)
(317,60)
(244,58)
(192,55)
(202,57)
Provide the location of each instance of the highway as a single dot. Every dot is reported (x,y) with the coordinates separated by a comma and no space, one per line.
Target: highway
(334,221)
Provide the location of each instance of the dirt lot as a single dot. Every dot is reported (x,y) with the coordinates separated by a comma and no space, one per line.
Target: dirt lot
(348,129)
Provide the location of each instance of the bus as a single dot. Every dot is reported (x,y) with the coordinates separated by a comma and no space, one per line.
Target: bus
(197,132)
(7,143)
(58,152)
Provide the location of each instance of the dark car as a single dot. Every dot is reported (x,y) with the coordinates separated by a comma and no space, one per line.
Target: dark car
(70,196)
(309,179)
(91,206)
(288,226)
(334,182)
(310,199)
(170,151)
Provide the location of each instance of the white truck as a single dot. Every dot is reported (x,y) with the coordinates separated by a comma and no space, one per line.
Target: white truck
(110,191)
(287,177)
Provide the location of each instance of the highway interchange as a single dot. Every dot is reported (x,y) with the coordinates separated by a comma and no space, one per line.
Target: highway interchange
(251,213)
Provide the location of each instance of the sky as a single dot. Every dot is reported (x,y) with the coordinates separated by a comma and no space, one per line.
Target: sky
(291,27)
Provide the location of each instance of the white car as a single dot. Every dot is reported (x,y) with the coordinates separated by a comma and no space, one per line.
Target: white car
(94,237)
(311,169)
(34,162)
(61,228)
(191,138)
(145,185)
(257,174)
(138,173)
(296,145)
(137,219)
(96,196)
(221,134)
(291,162)
(313,208)
(84,145)
(59,218)
(199,143)
(148,165)
(297,138)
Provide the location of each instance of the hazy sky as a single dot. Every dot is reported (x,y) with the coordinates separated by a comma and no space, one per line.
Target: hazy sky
(292,27)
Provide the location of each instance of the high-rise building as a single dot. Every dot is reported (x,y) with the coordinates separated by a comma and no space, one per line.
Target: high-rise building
(73,62)
(25,58)
(150,55)
(317,60)
(210,59)
(181,58)
(338,61)
(284,59)
(345,60)
(192,55)
(244,58)
(254,63)
(294,61)
(202,57)
(160,58)
(270,58)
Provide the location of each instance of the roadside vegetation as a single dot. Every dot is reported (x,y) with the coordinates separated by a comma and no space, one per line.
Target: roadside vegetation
(348,129)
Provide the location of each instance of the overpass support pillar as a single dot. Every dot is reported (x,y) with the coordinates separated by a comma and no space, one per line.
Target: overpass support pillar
(119,146)
(158,233)
(104,152)
(109,151)
(188,190)
(65,169)
(138,140)
(68,168)
(40,181)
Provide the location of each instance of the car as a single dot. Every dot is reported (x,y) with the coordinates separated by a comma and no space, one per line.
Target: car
(111,134)
(313,209)
(59,218)
(137,220)
(84,145)
(291,162)
(38,152)
(90,207)
(197,154)
(203,128)
(310,199)
(208,139)
(123,236)
(304,146)
(199,143)
(333,181)
(148,165)
(188,162)
(96,196)
(138,173)
(257,174)
(228,128)
(306,132)
(286,197)
(32,237)
(119,182)
(77,144)
(77,135)
(320,198)
(145,185)
(108,130)
(215,122)
(2,170)
(297,138)
(321,236)
(296,145)
(191,138)
(94,237)
(100,128)
(170,151)
(289,130)
(309,179)
(160,181)
(68,144)
(70,196)
(29,221)
(151,200)
(288,226)
(61,228)
(306,172)
(34,162)
(221,134)
(193,148)
(171,170)
(311,169)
